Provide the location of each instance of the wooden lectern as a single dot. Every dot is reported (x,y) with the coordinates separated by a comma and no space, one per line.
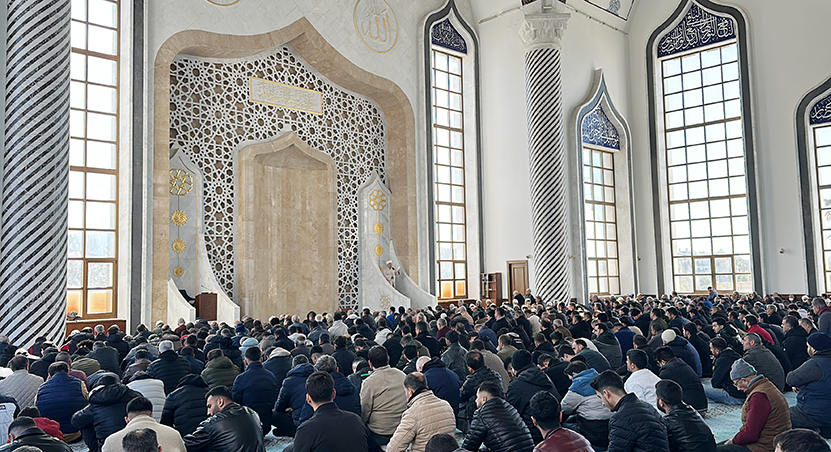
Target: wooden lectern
(206,306)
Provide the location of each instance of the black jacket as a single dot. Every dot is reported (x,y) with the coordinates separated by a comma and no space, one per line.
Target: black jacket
(41,366)
(105,412)
(556,373)
(226,344)
(279,366)
(546,347)
(235,428)
(257,389)
(37,438)
(107,357)
(637,427)
(332,429)
(394,348)
(529,381)
(184,408)
(703,349)
(344,357)
(721,373)
(347,396)
(608,345)
(687,431)
(680,372)
(430,342)
(499,426)
(169,368)
(796,346)
(116,341)
(468,390)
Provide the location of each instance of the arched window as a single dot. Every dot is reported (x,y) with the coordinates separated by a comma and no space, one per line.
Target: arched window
(703,170)
(93,158)
(813,126)
(607,239)
(453,162)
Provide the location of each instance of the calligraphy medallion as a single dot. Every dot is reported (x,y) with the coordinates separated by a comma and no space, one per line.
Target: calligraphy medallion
(376,24)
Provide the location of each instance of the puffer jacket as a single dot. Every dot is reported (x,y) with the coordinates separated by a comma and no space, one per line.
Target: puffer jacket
(608,345)
(226,344)
(592,415)
(107,357)
(426,415)
(279,366)
(454,359)
(796,346)
(151,388)
(59,398)
(467,393)
(220,371)
(105,412)
(41,366)
(635,426)
(499,426)
(235,428)
(687,431)
(529,381)
(184,408)
(813,378)
(347,396)
(116,341)
(765,363)
(442,381)
(257,389)
(169,368)
(679,372)
(293,393)
(684,350)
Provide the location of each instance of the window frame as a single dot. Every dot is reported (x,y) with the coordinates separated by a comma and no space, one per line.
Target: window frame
(591,148)
(86,170)
(660,196)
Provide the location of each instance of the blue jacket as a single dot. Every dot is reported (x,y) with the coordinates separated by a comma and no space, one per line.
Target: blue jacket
(59,398)
(624,337)
(443,382)
(293,393)
(814,376)
(581,383)
(684,350)
(257,389)
(347,397)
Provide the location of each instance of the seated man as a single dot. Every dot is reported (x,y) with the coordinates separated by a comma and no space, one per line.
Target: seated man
(21,385)
(812,383)
(140,416)
(230,426)
(686,430)
(634,425)
(383,399)
(256,388)
(106,410)
(24,432)
(641,381)
(675,369)
(60,397)
(763,360)
(426,415)
(545,413)
(478,373)
(330,428)
(496,423)
(800,440)
(142,440)
(529,380)
(764,413)
(721,387)
(582,401)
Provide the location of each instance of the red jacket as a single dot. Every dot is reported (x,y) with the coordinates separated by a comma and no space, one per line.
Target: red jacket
(761,332)
(49,427)
(564,440)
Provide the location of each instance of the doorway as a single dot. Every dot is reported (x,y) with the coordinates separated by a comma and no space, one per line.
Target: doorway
(517,277)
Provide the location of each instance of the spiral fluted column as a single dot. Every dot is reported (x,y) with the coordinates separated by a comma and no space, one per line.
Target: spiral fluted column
(542,31)
(33,240)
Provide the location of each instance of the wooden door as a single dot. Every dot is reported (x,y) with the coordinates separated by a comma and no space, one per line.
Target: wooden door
(517,277)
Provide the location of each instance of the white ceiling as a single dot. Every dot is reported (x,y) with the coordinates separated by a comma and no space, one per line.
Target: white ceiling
(487,9)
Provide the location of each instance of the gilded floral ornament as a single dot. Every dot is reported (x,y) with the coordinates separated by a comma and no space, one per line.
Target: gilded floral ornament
(181,183)
(179,218)
(379,250)
(178,272)
(378,200)
(179,246)
(379,228)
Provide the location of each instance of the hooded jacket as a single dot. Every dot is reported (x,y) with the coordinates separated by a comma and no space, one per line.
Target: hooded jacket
(293,393)
(257,389)
(681,373)
(105,412)
(684,350)
(184,408)
(220,371)
(347,397)
(721,373)
(499,426)
(442,381)
(608,345)
(116,341)
(528,382)
(279,364)
(169,368)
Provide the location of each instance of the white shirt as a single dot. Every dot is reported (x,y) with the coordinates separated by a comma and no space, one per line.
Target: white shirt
(642,384)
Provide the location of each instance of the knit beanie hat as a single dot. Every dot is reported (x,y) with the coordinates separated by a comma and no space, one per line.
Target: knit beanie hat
(165,346)
(246,344)
(741,369)
(820,341)
(521,359)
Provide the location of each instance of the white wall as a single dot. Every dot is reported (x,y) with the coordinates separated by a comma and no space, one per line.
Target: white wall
(788,58)
(587,46)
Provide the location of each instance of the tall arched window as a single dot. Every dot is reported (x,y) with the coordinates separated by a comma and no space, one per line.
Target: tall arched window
(453,166)
(813,126)
(93,158)
(704,184)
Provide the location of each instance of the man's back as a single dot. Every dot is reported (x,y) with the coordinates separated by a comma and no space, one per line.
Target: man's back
(37,438)
(426,416)
(564,440)
(383,400)
(687,431)
(235,428)
(636,426)
(168,438)
(331,429)
(499,426)
(681,373)
(765,362)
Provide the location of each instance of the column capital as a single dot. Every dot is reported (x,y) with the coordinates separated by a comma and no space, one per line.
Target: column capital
(543,28)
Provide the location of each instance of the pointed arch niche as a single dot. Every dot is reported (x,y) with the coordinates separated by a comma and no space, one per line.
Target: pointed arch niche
(605,260)
(813,130)
(303,38)
(452,164)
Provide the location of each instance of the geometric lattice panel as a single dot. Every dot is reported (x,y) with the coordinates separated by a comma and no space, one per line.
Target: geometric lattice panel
(211,114)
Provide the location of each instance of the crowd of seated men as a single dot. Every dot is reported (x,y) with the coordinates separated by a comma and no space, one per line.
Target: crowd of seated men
(618,374)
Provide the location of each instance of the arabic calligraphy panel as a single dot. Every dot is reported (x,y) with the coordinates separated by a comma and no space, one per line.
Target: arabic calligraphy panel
(376,24)
(599,131)
(821,113)
(445,35)
(698,28)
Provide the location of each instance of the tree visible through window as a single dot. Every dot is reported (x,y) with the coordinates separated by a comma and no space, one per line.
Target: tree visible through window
(93,159)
